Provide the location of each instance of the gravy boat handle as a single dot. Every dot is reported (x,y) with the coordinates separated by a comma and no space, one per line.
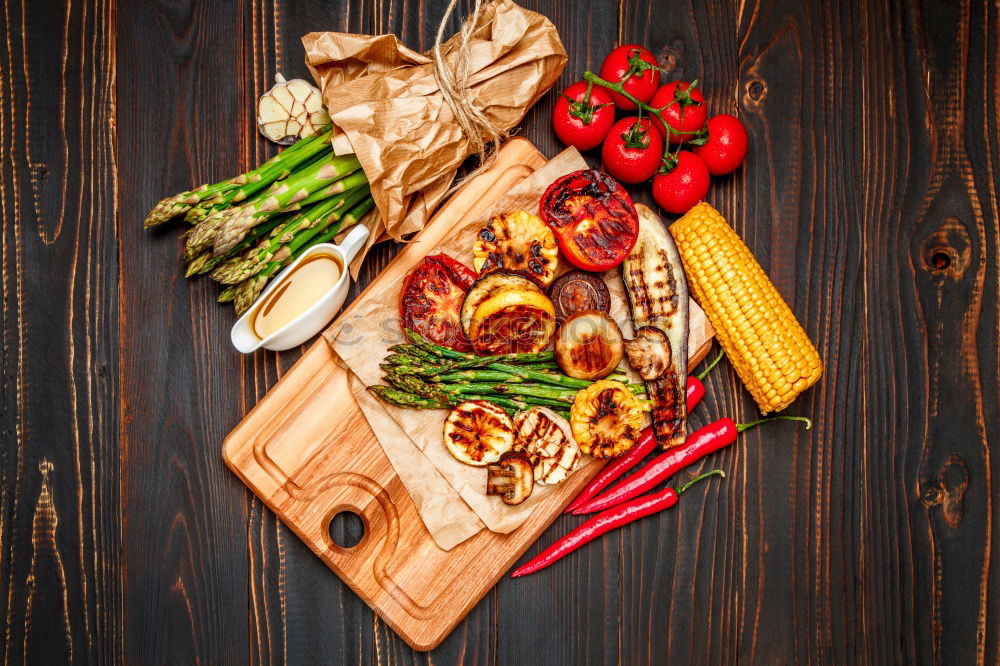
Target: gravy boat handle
(353,242)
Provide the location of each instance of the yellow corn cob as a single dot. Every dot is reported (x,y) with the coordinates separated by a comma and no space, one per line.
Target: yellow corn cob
(756,328)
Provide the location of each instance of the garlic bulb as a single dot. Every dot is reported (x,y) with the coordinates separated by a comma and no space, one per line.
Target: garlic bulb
(290,111)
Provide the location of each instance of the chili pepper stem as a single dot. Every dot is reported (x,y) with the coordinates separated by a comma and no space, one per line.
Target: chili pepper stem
(740,427)
(704,373)
(714,472)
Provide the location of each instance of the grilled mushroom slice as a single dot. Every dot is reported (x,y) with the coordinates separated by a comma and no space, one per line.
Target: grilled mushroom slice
(511,478)
(547,440)
(649,352)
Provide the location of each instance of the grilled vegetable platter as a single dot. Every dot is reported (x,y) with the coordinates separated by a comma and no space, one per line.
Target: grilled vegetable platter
(515,340)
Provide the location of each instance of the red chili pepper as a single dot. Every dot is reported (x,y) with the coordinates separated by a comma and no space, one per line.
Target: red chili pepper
(645,445)
(607,521)
(699,444)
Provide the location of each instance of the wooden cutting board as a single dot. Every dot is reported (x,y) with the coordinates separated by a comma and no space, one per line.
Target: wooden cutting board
(307,451)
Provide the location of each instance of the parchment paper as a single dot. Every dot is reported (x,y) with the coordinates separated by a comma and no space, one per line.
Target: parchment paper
(449,520)
(383,98)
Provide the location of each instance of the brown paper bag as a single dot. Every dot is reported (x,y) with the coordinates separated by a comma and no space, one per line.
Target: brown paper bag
(386,101)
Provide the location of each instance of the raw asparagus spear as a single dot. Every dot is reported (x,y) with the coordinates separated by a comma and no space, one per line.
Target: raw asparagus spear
(298,186)
(206,261)
(349,182)
(279,246)
(275,168)
(248,290)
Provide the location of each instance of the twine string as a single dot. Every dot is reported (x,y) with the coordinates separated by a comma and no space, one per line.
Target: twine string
(484,137)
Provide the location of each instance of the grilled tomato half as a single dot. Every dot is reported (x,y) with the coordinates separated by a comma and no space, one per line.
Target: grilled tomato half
(593,218)
(517,242)
(514,321)
(431,301)
(606,419)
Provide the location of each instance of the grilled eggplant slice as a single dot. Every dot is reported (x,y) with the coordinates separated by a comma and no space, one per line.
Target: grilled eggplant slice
(478,432)
(546,438)
(517,242)
(511,478)
(658,297)
(579,290)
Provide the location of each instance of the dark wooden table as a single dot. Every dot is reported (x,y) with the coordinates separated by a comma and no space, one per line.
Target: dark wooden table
(870,195)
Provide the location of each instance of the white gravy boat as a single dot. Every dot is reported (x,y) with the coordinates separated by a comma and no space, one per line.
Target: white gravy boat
(319,314)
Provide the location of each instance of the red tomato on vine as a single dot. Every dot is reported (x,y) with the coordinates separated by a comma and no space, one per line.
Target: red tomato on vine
(637,63)
(725,145)
(683,109)
(582,121)
(682,186)
(633,150)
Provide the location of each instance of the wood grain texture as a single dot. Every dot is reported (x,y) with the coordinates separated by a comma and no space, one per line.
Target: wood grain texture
(59,492)
(870,196)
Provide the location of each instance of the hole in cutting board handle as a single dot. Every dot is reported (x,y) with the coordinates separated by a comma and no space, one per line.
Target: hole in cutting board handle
(347,529)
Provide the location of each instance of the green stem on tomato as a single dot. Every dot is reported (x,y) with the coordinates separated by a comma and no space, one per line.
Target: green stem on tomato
(590,77)
(669,160)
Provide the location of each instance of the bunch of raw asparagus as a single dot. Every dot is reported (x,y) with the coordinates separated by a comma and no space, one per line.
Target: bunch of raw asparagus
(245,229)
(423,375)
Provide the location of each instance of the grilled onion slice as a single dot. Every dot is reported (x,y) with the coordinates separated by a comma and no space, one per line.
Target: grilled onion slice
(606,419)
(589,345)
(478,432)
(517,242)
(547,440)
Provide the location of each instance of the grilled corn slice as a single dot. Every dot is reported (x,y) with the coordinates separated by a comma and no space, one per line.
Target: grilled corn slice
(606,418)
(758,331)
(517,242)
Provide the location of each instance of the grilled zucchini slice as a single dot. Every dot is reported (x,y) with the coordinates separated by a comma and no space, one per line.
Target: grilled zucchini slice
(517,242)
(478,432)
(490,285)
(512,322)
